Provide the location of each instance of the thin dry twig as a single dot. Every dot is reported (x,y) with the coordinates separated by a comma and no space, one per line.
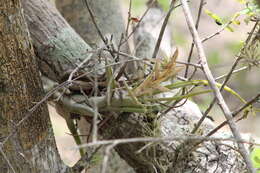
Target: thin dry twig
(189,64)
(95,23)
(6,158)
(83,162)
(97,28)
(106,157)
(162,139)
(217,32)
(228,76)
(129,18)
(235,71)
(165,22)
(213,85)
(75,70)
(253,100)
(154,25)
(192,44)
(135,28)
(215,99)
(95,117)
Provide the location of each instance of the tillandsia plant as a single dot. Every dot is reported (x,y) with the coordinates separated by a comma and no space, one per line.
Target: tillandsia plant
(141,93)
(136,96)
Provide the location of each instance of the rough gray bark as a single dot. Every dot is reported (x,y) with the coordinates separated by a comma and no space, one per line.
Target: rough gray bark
(58,47)
(32,147)
(175,156)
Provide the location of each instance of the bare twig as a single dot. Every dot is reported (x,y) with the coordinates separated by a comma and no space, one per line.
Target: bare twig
(235,71)
(253,100)
(189,64)
(83,163)
(155,24)
(134,58)
(216,33)
(134,29)
(95,117)
(215,99)
(161,139)
(141,19)
(129,18)
(97,28)
(165,22)
(83,62)
(106,157)
(144,147)
(192,44)
(228,76)
(6,158)
(94,22)
(213,85)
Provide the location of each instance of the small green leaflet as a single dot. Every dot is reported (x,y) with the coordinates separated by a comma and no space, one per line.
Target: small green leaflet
(214,16)
(255,157)
(219,20)
(242,1)
(165,4)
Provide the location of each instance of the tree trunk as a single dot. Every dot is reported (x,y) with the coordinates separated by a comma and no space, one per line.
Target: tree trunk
(58,47)
(31,147)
